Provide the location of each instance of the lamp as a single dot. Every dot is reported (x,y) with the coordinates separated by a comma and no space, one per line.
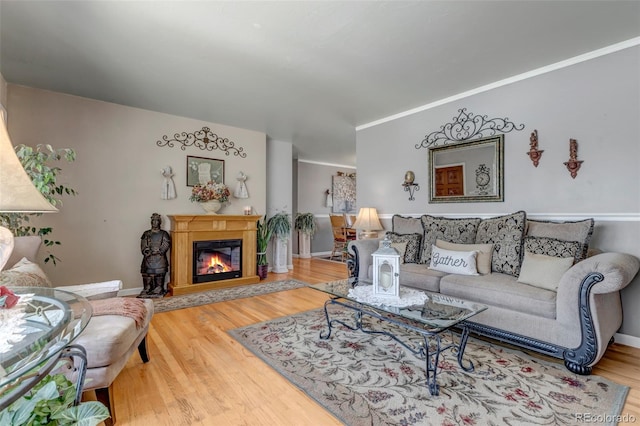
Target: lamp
(17,192)
(368,222)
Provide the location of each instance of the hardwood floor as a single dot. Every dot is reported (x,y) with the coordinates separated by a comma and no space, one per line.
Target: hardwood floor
(199,375)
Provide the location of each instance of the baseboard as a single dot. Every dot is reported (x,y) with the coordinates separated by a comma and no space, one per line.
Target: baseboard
(625,339)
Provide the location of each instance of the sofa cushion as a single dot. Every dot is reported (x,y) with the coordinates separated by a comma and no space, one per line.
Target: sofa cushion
(506,233)
(553,247)
(454,262)
(503,291)
(411,253)
(406,225)
(419,276)
(24,274)
(483,259)
(579,231)
(543,271)
(27,246)
(461,231)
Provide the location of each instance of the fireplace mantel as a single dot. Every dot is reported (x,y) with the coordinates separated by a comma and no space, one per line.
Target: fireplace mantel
(185,229)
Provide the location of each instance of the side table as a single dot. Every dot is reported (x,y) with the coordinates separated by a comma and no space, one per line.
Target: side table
(35,334)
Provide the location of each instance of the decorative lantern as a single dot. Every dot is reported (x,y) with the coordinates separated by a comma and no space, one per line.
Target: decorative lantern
(386,270)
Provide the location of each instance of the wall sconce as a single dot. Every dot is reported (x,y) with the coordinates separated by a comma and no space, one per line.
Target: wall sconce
(241,186)
(534,153)
(368,222)
(409,185)
(329,201)
(573,165)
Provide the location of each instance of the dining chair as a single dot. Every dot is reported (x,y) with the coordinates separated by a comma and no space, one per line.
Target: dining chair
(342,234)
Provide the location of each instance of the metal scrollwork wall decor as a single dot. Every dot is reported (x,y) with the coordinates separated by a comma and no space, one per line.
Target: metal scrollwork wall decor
(205,140)
(468,126)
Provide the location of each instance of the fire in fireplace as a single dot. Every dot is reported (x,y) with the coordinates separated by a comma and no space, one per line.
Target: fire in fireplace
(217,260)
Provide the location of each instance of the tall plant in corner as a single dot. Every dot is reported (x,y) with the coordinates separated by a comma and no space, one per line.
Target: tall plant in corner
(37,164)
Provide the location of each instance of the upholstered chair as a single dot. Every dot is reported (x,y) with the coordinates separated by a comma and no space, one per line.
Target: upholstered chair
(109,340)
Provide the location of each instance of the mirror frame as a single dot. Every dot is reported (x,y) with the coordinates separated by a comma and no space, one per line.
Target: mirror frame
(497,142)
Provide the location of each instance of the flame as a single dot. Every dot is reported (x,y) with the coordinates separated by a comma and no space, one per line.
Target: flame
(217,265)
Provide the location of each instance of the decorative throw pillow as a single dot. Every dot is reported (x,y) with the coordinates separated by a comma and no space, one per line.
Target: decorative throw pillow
(401,248)
(579,231)
(461,231)
(24,274)
(506,234)
(453,262)
(553,247)
(406,225)
(483,259)
(411,252)
(543,271)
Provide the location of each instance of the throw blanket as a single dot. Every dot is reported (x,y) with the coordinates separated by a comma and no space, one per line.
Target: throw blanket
(124,306)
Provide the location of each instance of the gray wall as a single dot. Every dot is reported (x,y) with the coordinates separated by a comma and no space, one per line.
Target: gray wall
(313,179)
(596,102)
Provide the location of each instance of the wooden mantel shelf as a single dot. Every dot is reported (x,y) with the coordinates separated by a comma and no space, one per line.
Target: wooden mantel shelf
(185,229)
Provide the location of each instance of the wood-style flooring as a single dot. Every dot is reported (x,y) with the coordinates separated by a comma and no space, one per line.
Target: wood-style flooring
(199,375)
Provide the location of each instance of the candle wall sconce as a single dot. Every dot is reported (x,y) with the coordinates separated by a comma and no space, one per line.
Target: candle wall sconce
(534,153)
(409,185)
(573,165)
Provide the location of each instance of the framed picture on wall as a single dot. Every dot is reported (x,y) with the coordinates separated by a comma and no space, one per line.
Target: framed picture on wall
(201,170)
(344,194)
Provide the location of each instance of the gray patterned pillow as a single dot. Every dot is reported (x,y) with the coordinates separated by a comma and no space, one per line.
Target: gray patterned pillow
(461,231)
(413,244)
(579,231)
(553,247)
(506,233)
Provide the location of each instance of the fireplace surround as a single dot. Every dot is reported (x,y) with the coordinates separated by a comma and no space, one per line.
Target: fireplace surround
(207,231)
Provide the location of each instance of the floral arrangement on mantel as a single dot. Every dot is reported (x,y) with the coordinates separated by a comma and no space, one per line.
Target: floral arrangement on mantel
(210,192)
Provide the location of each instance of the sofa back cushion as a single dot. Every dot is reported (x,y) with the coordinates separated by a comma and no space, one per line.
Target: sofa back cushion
(406,225)
(578,231)
(506,233)
(461,231)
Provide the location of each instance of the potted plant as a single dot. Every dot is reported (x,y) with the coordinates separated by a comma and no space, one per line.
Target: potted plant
(51,402)
(263,236)
(280,225)
(305,224)
(210,196)
(36,162)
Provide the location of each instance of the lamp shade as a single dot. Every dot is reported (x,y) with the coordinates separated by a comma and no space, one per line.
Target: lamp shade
(17,192)
(368,220)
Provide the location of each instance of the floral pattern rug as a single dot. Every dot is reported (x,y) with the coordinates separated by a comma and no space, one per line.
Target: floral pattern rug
(212,296)
(368,379)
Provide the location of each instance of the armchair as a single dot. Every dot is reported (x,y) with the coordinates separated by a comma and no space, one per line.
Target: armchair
(109,340)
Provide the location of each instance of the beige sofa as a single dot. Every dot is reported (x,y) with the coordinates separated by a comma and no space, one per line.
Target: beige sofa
(572,316)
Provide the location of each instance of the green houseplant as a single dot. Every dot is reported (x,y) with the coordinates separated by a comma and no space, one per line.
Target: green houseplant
(50,402)
(263,235)
(37,164)
(280,225)
(305,224)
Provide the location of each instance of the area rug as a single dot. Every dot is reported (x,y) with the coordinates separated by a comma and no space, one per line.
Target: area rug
(212,296)
(372,380)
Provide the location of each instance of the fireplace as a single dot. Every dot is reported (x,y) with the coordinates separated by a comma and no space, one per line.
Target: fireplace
(215,260)
(190,275)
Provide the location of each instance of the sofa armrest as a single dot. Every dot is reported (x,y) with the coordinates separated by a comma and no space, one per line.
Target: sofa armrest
(361,251)
(95,291)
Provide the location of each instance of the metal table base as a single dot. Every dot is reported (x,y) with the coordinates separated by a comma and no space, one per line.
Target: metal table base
(421,351)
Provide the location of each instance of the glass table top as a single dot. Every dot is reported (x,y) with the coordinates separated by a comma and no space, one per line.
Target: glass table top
(437,312)
(37,328)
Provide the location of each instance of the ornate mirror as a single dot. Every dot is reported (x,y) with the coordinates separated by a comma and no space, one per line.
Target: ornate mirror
(467,172)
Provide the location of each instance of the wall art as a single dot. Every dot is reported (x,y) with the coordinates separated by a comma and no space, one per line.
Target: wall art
(201,170)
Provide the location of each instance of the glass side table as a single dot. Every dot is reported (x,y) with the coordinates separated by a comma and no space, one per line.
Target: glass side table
(35,334)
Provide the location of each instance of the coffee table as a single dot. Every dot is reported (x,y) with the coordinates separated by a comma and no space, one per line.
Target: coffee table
(438,314)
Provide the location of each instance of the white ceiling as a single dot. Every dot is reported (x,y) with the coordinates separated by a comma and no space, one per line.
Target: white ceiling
(302,72)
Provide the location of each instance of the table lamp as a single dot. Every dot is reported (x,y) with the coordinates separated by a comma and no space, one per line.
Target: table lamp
(17,192)
(368,222)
